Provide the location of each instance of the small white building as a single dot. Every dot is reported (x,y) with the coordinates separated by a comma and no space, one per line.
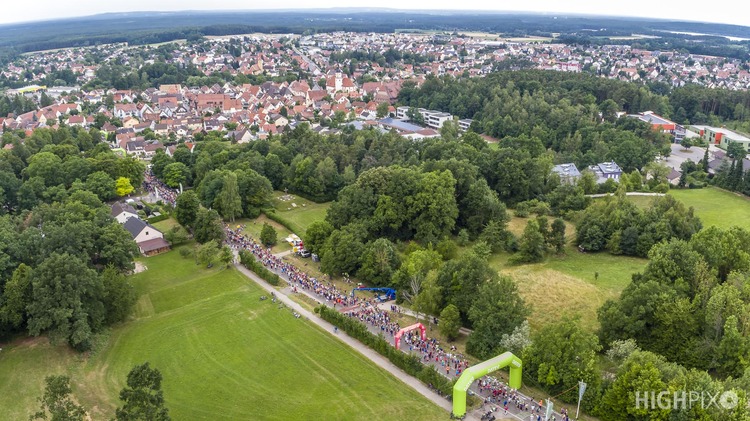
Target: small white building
(123,211)
(141,231)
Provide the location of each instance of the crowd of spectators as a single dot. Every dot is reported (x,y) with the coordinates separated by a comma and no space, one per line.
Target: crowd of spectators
(492,390)
(156,187)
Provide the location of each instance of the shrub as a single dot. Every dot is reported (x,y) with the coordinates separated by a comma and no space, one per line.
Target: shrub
(272,215)
(159,218)
(248,260)
(411,364)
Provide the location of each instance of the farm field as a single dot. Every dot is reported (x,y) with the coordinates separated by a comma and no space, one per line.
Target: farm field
(223,353)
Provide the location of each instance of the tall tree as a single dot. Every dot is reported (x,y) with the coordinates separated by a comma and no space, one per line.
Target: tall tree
(17,295)
(561,355)
(532,244)
(228,201)
(268,235)
(497,310)
(450,322)
(343,249)
(208,226)
(734,353)
(187,206)
(175,174)
(143,398)
(123,187)
(558,235)
(461,279)
(207,253)
(102,185)
(379,262)
(382,110)
(316,235)
(66,300)
(118,294)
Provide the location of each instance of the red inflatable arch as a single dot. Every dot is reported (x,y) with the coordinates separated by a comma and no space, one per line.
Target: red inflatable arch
(408,328)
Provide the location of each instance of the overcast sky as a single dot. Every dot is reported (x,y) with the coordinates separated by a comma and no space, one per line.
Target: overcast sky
(720,11)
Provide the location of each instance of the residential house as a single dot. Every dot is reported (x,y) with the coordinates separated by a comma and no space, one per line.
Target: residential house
(568,173)
(150,240)
(606,171)
(123,211)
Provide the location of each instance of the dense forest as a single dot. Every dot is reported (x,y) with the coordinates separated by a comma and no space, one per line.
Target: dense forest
(147,28)
(63,258)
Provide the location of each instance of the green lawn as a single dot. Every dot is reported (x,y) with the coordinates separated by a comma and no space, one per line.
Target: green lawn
(300,217)
(223,355)
(717,207)
(254,226)
(568,284)
(165,225)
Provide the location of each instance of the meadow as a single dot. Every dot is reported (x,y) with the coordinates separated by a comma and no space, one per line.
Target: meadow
(223,353)
(717,207)
(298,217)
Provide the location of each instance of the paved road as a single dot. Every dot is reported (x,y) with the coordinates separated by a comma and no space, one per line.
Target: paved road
(632,193)
(313,67)
(283,253)
(513,414)
(378,359)
(358,346)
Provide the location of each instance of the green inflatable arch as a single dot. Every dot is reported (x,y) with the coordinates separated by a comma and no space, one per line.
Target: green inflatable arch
(482,369)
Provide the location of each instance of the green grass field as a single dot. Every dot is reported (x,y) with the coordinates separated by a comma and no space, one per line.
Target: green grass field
(568,284)
(254,226)
(223,355)
(166,224)
(300,217)
(717,207)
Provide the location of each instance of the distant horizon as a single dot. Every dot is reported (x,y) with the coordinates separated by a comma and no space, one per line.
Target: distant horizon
(668,10)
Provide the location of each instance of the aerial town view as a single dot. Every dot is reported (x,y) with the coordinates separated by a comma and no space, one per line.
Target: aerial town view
(237,211)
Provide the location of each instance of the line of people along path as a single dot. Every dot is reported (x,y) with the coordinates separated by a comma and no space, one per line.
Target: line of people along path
(497,396)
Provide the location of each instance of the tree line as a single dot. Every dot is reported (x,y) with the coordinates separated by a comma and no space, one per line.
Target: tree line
(62,255)
(619,226)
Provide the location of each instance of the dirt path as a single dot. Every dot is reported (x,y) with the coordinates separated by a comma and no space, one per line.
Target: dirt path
(283,253)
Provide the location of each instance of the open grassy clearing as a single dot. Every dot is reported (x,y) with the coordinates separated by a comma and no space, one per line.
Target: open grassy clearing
(716,207)
(642,202)
(165,225)
(254,226)
(224,354)
(303,215)
(567,284)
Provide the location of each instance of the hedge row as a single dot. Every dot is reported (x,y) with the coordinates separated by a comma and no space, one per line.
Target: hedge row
(292,227)
(249,261)
(161,217)
(411,364)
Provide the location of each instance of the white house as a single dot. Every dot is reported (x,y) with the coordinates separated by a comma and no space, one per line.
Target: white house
(122,212)
(141,231)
